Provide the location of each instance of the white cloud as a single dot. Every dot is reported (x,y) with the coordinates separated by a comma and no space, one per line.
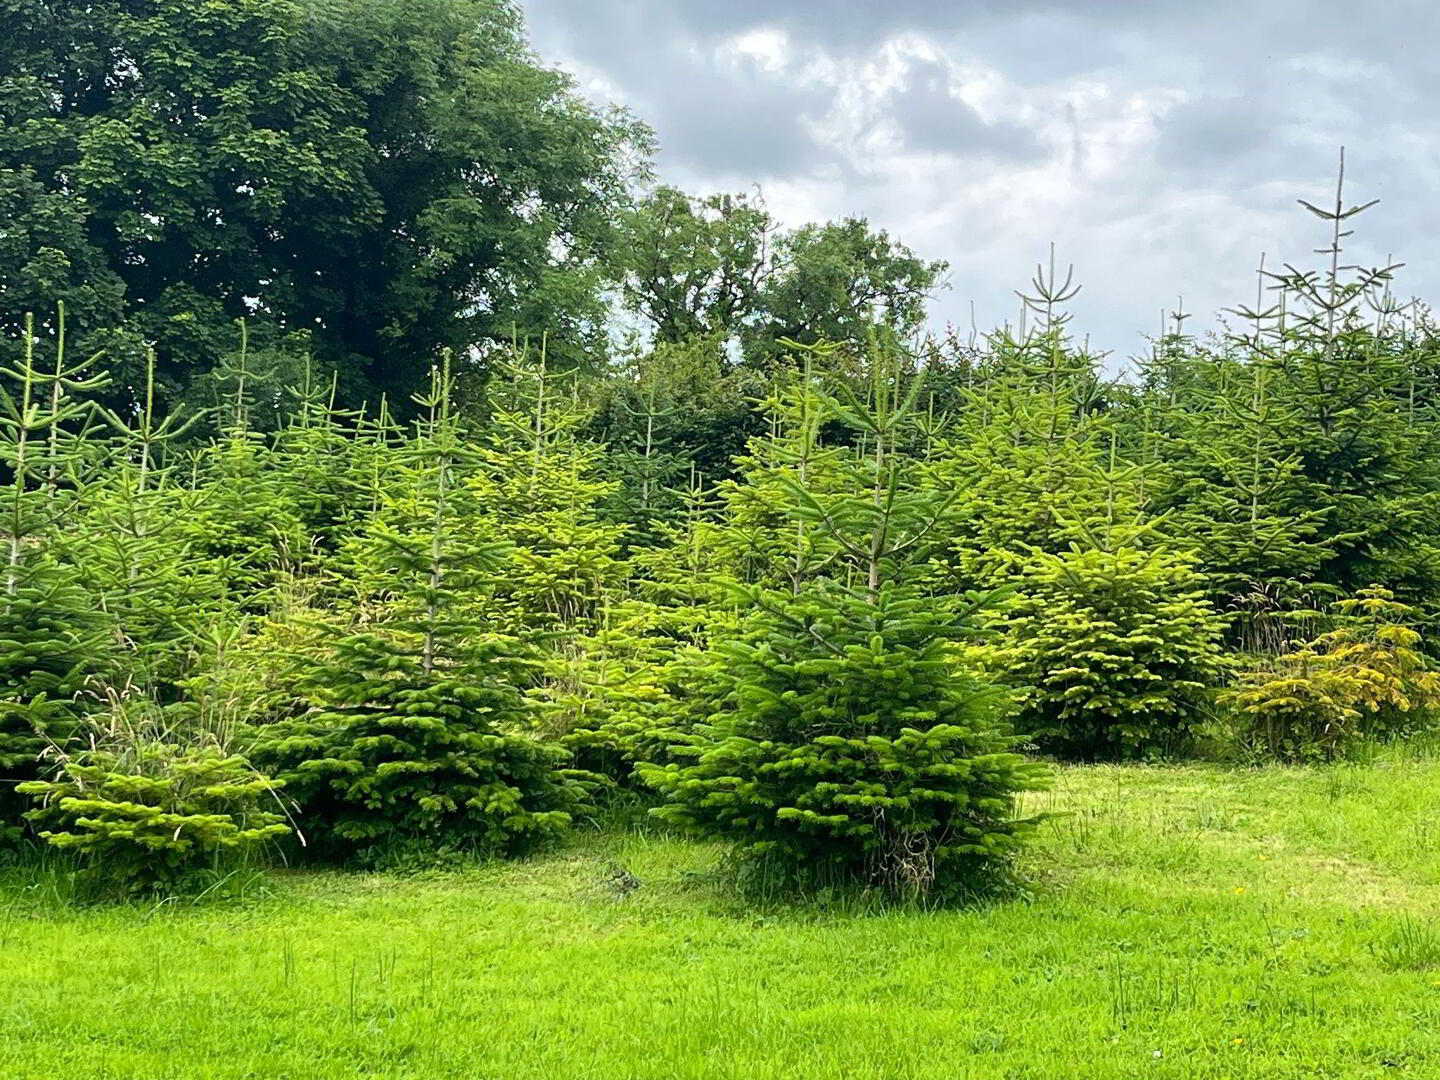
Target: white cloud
(1161,148)
(767,48)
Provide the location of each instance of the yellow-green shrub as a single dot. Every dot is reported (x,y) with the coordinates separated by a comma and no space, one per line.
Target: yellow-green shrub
(1365,678)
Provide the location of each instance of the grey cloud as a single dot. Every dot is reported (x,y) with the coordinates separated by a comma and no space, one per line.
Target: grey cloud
(842,25)
(930,117)
(732,120)
(746,121)
(1240,107)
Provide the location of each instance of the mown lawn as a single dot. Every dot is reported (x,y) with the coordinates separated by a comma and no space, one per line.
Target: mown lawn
(1185,922)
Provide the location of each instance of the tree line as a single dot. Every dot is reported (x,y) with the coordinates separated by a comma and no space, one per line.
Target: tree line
(367,183)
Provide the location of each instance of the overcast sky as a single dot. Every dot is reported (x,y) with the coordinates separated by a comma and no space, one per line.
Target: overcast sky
(1160,145)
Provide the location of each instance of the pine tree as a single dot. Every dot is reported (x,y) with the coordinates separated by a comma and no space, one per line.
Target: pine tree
(538,487)
(633,691)
(645,459)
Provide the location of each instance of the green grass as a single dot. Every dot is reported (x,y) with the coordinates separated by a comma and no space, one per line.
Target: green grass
(1185,922)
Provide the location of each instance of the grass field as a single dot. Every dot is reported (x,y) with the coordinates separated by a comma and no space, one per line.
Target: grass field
(1185,922)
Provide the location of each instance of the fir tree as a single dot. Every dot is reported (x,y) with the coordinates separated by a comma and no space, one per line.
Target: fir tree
(844,743)
(51,636)
(415,740)
(1312,456)
(1238,497)
(132,554)
(1364,677)
(536,485)
(148,808)
(1114,649)
(245,526)
(1021,453)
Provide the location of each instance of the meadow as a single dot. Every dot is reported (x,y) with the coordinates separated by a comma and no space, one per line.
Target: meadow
(1181,921)
(469,609)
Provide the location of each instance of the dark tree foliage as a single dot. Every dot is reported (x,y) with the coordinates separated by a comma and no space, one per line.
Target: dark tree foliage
(835,282)
(386,178)
(847,748)
(694,267)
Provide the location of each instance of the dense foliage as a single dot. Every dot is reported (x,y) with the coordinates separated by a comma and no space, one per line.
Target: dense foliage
(385,179)
(752,555)
(845,741)
(1363,676)
(1113,652)
(415,738)
(151,816)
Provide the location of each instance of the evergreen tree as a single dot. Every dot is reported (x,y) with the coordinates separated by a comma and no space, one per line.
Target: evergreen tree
(414,741)
(1236,494)
(1363,677)
(51,636)
(1113,648)
(845,744)
(131,550)
(148,809)
(704,411)
(1025,445)
(1305,467)
(536,485)
(245,526)
(328,464)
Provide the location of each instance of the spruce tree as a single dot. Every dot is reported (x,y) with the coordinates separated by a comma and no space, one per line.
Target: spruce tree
(538,487)
(634,690)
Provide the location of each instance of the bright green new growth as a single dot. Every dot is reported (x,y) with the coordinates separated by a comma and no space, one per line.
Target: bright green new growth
(413,743)
(1113,652)
(845,744)
(151,816)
